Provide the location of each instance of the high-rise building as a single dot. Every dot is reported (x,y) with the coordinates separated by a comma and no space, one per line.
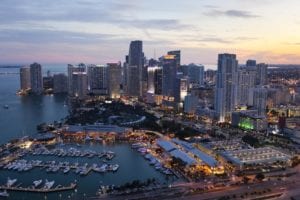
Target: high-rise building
(177,55)
(48,82)
(169,75)
(158,75)
(79,84)
(260,100)
(251,63)
(181,88)
(246,81)
(190,104)
(132,84)
(196,74)
(114,79)
(210,76)
(151,77)
(71,69)
(136,58)
(226,86)
(154,80)
(124,74)
(98,79)
(60,83)
(24,78)
(262,74)
(36,80)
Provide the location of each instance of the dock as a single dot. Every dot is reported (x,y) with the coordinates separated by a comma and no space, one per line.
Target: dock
(72,186)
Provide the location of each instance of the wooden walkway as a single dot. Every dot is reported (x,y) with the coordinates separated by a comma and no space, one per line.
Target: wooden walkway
(39,190)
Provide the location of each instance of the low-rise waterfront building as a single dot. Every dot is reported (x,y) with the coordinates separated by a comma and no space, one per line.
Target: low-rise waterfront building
(264,156)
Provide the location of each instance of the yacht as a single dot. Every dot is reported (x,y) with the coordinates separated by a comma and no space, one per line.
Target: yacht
(37,183)
(115,167)
(11,182)
(4,194)
(103,168)
(67,169)
(48,184)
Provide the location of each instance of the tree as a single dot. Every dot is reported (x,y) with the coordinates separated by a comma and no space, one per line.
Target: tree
(252,141)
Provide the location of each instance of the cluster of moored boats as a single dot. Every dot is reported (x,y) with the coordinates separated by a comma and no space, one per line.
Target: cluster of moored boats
(65,167)
(37,184)
(72,152)
(142,148)
(22,165)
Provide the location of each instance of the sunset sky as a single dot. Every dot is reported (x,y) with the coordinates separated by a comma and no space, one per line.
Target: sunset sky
(99,31)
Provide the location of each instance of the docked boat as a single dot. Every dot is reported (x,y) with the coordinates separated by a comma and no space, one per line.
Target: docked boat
(4,194)
(66,170)
(115,167)
(88,137)
(48,184)
(37,183)
(103,168)
(11,182)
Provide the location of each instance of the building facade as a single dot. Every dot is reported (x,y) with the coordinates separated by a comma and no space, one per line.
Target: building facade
(196,74)
(60,83)
(79,84)
(98,79)
(71,70)
(36,80)
(24,78)
(114,79)
(226,86)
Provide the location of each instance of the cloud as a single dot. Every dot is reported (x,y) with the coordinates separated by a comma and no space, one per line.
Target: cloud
(215,40)
(293,43)
(106,12)
(231,13)
(51,36)
(156,24)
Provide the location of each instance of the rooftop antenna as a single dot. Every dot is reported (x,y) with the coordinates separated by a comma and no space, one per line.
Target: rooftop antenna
(154,56)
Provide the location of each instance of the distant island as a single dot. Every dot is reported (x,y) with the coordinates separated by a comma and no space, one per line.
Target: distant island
(10,66)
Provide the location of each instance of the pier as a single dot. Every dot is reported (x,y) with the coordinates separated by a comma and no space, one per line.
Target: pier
(72,186)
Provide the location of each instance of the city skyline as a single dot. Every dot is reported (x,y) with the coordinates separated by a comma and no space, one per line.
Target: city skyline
(99,32)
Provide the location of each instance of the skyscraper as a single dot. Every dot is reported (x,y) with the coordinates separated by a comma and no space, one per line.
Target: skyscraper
(114,79)
(190,103)
(36,80)
(71,70)
(169,78)
(260,100)
(24,78)
(98,79)
(158,80)
(136,58)
(196,74)
(177,55)
(154,80)
(60,83)
(246,81)
(132,84)
(181,88)
(226,86)
(79,84)
(262,74)
(251,63)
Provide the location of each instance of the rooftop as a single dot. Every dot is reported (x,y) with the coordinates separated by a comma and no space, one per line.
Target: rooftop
(256,156)
(183,156)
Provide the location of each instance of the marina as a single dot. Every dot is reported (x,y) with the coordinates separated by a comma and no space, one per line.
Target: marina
(90,171)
